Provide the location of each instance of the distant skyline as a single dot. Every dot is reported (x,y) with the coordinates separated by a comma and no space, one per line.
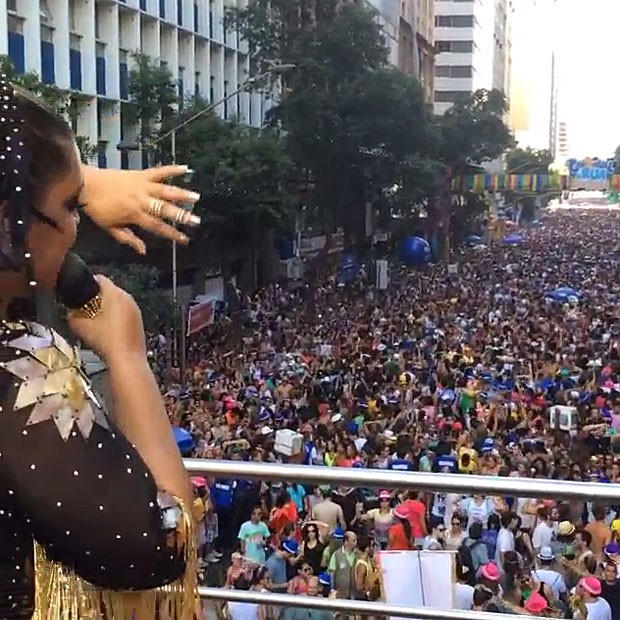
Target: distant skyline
(590,89)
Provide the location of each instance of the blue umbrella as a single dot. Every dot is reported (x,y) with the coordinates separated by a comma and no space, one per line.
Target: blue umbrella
(513,239)
(184,440)
(475,240)
(563,293)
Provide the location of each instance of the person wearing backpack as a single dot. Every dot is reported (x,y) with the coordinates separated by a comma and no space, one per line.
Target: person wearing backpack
(473,553)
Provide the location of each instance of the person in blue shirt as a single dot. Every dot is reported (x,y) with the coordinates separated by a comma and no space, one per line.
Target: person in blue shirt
(253,536)
(277,563)
(222,496)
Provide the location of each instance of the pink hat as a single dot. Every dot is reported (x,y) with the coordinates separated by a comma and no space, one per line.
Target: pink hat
(199,481)
(490,571)
(591,585)
(401,512)
(385,494)
(535,603)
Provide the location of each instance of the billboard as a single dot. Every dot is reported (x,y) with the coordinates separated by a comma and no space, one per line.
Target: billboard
(590,173)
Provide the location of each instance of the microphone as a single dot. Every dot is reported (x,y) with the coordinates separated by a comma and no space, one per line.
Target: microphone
(76,286)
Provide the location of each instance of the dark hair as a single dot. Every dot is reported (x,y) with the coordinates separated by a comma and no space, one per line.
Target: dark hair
(241,583)
(475,531)
(46,136)
(507,518)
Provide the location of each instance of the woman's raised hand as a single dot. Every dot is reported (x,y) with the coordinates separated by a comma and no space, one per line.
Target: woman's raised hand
(118,199)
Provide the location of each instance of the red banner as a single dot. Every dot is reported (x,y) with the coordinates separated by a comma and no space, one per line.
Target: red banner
(200,315)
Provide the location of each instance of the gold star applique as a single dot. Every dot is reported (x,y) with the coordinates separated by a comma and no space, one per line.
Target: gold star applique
(53,382)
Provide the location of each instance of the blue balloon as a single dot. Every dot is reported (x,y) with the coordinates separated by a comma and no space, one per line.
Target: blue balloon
(183,439)
(513,239)
(415,251)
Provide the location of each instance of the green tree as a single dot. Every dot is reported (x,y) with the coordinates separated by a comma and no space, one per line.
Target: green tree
(472,133)
(356,129)
(142,283)
(153,98)
(243,177)
(617,160)
(528,161)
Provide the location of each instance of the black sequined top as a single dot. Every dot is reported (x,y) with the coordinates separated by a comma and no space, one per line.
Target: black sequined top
(69,479)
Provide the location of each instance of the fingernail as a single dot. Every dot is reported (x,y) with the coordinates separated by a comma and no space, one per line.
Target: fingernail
(184,167)
(183,239)
(193,196)
(194,220)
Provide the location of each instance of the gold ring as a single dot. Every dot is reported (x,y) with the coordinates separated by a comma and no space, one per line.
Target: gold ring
(156,206)
(180,216)
(90,309)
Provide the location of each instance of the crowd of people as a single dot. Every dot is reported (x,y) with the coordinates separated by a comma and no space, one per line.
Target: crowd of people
(455,370)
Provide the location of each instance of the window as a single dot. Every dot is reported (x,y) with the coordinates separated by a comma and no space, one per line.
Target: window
(212,89)
(454,71)
(452,96)
(72,21)
(462,47)
(47,34)
(16,24)
(11,5)
(100,49)
(225,98)
(197,84)
(75,42)
(455,21)
(44,12)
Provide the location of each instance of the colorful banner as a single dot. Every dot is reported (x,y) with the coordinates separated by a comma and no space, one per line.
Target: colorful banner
(526,183)
(200,315)
(590,173)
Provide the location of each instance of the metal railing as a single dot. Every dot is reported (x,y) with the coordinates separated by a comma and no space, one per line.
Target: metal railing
(350,607)
(382,478)
(374,478)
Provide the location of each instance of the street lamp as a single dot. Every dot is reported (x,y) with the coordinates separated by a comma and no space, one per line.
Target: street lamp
(172,134)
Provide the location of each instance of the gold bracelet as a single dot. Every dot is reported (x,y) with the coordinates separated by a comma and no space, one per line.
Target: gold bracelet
(90,309)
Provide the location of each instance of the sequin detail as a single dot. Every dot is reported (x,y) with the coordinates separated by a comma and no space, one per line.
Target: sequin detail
(52,382)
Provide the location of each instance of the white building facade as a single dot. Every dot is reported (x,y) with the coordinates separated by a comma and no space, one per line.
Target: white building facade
(87,47)
(472,38)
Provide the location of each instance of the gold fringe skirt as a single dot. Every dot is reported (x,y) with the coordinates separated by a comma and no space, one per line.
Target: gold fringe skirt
(61,595)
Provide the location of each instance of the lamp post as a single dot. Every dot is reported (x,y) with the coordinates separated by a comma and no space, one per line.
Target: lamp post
(172,134)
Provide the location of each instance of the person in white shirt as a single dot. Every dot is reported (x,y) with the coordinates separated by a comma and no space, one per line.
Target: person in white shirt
(505,537)
(543,532)
(589,588)
(545,573)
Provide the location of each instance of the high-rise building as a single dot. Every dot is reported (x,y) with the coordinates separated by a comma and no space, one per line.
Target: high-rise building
(86,46)
(408,58)
(473,42)
(425,39)
(388,17)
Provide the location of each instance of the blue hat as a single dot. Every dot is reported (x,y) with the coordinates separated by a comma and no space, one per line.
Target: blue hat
(325,579)
(290,546)
(488,444)
(338,533)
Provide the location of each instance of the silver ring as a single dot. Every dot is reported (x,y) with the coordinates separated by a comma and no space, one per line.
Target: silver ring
(156,207)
